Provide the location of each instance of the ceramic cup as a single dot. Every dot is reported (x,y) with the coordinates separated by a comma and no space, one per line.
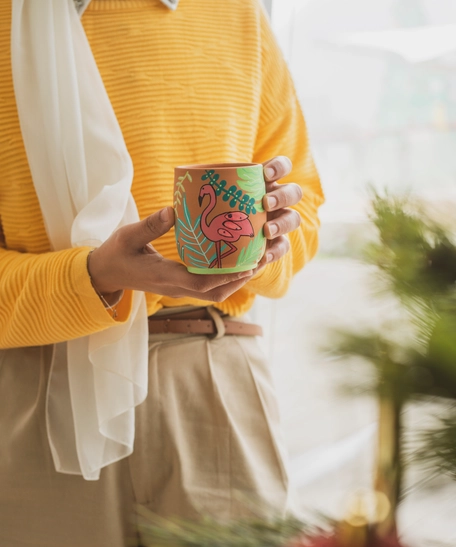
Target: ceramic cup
(219,216)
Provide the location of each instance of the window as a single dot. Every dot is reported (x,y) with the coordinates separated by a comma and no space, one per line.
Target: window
(378,87)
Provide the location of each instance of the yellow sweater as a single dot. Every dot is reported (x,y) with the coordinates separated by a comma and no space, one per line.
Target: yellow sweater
(203,84)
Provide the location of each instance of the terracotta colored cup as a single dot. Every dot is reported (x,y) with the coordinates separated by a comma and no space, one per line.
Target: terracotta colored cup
(219,216)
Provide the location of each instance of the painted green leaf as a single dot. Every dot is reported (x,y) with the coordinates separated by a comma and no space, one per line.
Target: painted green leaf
(252,182)
(253,252)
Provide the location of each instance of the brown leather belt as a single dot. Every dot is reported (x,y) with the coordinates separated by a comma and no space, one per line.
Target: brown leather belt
(200,321)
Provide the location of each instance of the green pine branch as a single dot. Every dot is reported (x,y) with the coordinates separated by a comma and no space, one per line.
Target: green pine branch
(438,445)
(416,260)
(207,532)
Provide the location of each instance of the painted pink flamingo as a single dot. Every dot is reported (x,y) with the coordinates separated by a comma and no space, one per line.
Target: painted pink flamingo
(226,227)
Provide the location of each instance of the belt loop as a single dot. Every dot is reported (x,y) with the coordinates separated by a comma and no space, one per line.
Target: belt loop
(219,324)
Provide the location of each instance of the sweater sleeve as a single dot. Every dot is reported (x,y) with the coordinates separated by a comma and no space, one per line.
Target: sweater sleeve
(282,132)
(48,298)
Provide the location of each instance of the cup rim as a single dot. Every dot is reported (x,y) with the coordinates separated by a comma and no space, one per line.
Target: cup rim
(217,166)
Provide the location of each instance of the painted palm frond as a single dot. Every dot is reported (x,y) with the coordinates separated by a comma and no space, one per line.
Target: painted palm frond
(180,190)
(253,252)
(196,248)
(251,181)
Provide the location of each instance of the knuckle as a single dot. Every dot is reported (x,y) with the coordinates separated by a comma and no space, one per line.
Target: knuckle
(294,220)
(197,284)
(281,248)
(287,162)
(152,228)
(297,218)
(281,196)
(120,237)
(289,223)
(298,193)
(285,245)
(282,165)
(219,295)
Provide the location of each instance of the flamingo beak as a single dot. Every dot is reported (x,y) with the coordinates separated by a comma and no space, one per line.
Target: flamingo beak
(200,200)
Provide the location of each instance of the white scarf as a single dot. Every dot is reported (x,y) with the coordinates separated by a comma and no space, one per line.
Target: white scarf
(82,174)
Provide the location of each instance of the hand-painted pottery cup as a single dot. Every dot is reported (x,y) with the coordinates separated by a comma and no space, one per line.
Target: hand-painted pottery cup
(219,216)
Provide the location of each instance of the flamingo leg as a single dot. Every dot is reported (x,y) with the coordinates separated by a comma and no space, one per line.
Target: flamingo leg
(217,260)
(230,251)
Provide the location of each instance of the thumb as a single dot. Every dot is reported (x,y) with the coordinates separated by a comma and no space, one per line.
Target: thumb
(152,227)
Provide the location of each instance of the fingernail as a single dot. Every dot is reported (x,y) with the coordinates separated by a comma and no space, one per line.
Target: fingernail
(164,214)
(246,274)
(272,202)
(273,229)
(269,172)
(269,257)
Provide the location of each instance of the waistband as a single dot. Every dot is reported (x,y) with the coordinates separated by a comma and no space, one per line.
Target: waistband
(208,321)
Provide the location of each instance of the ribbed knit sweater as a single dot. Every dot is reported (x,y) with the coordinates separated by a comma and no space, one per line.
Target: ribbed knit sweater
(204,84)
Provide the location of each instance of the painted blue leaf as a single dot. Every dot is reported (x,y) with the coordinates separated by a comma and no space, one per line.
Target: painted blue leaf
(186,211)
(195,259)
(181,225)
(187,239)
(191,246)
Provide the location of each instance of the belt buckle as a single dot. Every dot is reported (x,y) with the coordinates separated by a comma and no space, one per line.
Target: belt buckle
(218,322)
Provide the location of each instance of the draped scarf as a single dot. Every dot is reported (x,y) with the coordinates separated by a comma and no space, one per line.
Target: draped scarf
(82,173)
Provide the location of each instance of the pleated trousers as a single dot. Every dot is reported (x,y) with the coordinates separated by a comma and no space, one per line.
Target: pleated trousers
(207,443)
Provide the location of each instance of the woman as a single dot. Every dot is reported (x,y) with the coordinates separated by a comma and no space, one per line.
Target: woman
(95,417)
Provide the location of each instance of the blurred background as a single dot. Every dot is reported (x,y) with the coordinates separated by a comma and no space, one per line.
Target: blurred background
(377,83)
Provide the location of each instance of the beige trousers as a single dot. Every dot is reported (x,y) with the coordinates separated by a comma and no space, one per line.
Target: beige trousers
(206,443)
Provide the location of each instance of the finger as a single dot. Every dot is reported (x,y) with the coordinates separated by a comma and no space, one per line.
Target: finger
(285,195)
(275,250)
(139,234)
(215,294)
(219,294)
(261,265)
(206,284)
(175,274)
(284,222)
(278,167)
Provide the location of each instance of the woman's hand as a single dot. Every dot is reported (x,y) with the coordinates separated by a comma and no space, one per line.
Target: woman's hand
(127,260)
(277,202)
